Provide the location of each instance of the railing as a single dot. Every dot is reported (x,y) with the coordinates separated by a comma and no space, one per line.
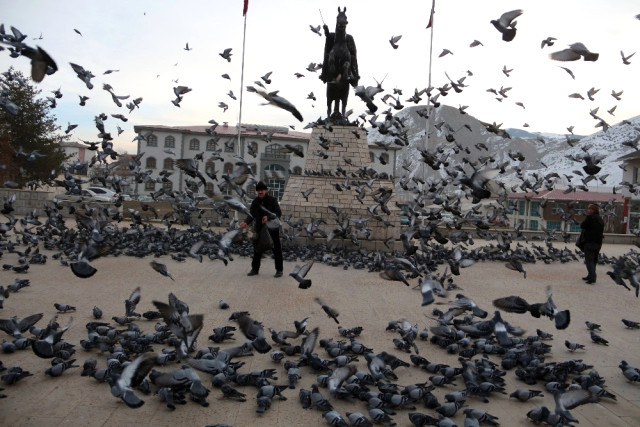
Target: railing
(274,156)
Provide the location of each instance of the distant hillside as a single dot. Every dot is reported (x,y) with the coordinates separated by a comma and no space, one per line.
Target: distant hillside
(461,138)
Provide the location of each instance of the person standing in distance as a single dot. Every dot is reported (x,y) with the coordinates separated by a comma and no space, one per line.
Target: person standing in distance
(271,206)
(593,233)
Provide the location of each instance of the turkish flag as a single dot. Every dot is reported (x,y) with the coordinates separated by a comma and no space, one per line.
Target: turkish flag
(433,6)
(246,6)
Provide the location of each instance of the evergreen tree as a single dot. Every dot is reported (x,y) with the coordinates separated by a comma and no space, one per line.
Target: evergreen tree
(29,142)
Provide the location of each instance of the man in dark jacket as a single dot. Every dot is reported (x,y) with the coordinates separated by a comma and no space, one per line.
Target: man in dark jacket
(592,235)
(266,211)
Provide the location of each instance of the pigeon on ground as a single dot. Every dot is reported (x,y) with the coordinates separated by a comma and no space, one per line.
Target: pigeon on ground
(131,303)
(15,328)
(45,347)
(523,394)
(122,385)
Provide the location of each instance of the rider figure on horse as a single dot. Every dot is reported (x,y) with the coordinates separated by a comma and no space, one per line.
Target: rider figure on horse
(340,67)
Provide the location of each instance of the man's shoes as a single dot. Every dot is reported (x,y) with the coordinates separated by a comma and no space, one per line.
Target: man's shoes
(278,274)
(591,281)
(252,273)
(585,278)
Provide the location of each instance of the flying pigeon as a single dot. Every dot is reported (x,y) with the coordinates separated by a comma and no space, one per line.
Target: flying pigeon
(573,53)
(506,24)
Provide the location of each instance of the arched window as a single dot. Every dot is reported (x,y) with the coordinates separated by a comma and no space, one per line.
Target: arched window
(274,151)
(384,158)
(194,144)
(211,145)
(169,142)
(209,189)
(210,166)
(372,156)
(227,169)
(167,163)
(276,178)
(152,141)
(151,163)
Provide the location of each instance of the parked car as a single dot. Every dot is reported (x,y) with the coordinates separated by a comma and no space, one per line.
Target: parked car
(91,194)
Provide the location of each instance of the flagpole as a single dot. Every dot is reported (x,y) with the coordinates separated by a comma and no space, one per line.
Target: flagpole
(244,34)
(430,25)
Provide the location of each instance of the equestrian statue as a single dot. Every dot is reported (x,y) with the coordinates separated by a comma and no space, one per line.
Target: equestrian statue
(340,68)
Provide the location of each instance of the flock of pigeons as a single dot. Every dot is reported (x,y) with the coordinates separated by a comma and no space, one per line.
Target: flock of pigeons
(132,364)
(134,356)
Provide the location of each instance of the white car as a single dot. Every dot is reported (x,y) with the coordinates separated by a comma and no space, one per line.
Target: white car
(99,194)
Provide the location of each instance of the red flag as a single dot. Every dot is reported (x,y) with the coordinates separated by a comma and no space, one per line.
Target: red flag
(433,6)
(246,6)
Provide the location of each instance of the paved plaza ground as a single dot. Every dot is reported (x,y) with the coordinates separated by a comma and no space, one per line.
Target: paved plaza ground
(362,298)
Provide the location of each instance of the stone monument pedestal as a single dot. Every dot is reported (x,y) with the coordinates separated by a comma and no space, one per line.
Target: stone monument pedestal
(338,178)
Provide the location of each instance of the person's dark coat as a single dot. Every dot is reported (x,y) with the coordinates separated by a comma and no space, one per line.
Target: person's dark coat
(270,203)
(593,229)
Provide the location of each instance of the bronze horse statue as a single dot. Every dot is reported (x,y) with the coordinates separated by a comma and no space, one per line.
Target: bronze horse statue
(340,67)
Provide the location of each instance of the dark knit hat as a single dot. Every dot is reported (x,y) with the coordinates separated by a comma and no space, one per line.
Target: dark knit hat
(261,186)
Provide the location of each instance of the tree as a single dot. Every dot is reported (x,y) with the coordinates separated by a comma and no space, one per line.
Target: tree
(28,139)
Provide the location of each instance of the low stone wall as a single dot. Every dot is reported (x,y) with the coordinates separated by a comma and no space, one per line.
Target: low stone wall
(27,200)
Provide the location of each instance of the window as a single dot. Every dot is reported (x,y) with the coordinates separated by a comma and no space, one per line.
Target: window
(574,227)
(152,141)
(636,176)
(150,185)
(169,142)
(533,224)
(194,144)
(151,163)
(276,180)
(372,156)
(167,163)
(229,146)
(534,209)
(227,169)
(209,189)
(167,185)
(274,151)
(211,145)
(557,209)
(553,225)
(521,206)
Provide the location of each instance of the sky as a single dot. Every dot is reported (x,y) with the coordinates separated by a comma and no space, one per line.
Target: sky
(145,41)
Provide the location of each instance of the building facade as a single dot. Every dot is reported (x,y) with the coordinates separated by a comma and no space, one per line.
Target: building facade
(564,211)
(272,152)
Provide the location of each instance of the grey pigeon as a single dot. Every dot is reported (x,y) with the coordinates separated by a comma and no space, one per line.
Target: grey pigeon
(573,53)
(132,375)
(506,24)
(161,268)
(299,273)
